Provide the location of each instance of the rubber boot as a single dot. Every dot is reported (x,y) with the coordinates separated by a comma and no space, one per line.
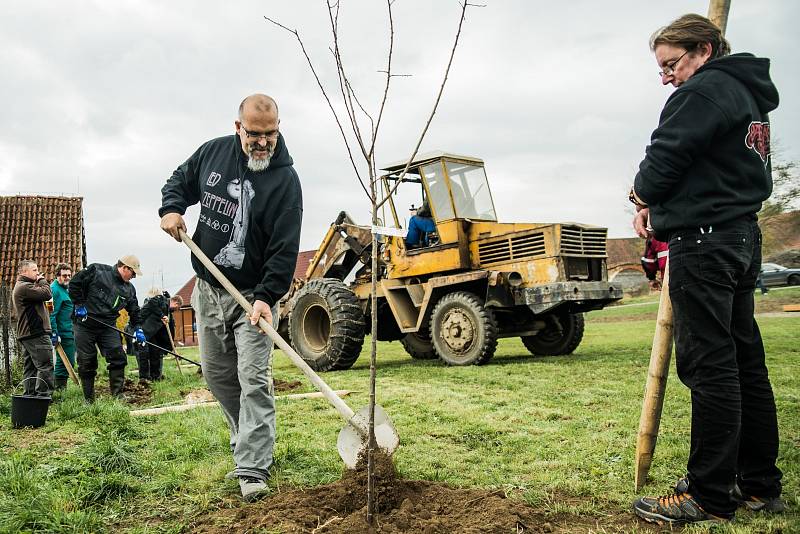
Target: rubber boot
(87,384)
(116,382)
(61,383)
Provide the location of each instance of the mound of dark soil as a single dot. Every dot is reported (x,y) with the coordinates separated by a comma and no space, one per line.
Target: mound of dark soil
(136,392)
(403,506)
(282,385)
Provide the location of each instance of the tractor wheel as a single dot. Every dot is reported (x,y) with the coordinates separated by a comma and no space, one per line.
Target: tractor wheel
(463,331)
(327,325)
(561,337)
(419,346)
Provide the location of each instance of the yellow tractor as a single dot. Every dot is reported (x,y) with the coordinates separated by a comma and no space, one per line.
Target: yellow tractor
(473,280)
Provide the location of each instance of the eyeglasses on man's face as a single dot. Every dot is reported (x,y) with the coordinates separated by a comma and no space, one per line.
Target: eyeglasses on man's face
(669,68)
(255,136)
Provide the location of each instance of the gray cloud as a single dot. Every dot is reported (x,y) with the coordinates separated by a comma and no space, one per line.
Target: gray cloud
(106,99)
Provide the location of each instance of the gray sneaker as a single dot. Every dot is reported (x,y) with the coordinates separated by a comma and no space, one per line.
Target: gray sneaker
(252,488)
(773,505)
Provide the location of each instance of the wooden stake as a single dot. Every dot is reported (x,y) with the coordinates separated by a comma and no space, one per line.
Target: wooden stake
(656,385)
(174,349)
(186,407)
(65,361)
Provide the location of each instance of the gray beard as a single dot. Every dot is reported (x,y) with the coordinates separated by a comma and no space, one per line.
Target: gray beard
(258,165)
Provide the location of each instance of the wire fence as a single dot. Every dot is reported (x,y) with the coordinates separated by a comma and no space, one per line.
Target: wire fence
(9,348)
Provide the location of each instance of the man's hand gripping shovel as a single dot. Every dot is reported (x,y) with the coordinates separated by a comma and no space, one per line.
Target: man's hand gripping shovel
(353,438)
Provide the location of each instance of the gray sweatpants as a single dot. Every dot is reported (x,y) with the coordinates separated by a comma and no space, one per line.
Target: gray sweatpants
(237,366)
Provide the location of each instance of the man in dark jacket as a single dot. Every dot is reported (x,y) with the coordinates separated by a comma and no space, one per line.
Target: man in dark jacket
(701,183)
(33,328)
(251,210)
(99,292)
(156,316)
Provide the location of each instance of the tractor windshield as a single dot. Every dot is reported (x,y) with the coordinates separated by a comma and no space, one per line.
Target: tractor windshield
(438,193)
(471,195)
(466,195)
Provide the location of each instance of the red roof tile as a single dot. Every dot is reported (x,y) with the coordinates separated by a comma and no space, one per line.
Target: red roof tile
(186,291)
(48,230)
(624,250)
(303,259)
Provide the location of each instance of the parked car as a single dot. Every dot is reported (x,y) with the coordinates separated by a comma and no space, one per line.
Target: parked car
(773,275)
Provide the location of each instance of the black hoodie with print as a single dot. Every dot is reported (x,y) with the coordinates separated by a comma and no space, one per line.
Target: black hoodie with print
(708,162)
(249,222)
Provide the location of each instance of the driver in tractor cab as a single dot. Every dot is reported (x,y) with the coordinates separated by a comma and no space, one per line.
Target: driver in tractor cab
(420,226)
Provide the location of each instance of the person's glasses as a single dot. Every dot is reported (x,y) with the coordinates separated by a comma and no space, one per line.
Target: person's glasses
(258,135)
(65,275)
(669,68)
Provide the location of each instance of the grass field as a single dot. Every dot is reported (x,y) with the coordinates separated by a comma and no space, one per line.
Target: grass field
(557,432)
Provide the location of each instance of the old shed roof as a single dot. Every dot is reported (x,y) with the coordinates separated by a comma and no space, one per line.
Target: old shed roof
(48,230)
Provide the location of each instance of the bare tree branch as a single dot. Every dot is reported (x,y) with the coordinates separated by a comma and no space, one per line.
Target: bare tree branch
(344,84)
(328,100)
(435,105)
(388,79)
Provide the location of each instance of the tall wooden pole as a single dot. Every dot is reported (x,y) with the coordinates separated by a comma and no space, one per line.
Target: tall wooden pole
(718,13)
(661,352)
(656,385)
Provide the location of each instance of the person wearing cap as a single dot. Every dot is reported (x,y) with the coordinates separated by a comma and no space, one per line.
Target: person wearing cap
(98,293)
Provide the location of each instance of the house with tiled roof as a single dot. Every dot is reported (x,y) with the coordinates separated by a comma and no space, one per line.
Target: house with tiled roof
(624,253)
(185,328)
(48,230)
(45,229)
(625,263)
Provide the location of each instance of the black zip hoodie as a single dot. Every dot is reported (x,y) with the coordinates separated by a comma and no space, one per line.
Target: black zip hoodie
(249,222)
(708,162)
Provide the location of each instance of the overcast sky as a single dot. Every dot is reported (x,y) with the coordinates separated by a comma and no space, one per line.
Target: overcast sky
(104,99)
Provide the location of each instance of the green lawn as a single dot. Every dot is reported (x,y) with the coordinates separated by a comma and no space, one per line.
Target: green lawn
(558,432)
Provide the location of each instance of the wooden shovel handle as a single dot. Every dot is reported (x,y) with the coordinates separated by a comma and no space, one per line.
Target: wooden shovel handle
(344,410)
(65,361)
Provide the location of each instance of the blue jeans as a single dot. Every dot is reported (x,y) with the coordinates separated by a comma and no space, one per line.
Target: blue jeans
(720,358)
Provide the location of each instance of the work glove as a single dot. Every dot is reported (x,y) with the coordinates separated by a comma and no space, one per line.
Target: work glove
(81,313)
(138,334)
(54,338)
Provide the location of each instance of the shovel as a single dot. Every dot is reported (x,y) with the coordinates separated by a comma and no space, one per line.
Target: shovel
(353,438)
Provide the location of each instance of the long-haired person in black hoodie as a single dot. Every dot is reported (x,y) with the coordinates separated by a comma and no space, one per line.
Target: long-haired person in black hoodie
(702,181)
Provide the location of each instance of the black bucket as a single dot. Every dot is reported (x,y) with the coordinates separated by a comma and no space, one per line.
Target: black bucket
(29,410)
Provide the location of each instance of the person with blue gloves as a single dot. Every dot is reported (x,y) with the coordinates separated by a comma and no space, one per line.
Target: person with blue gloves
(61,322)
(155,321)
(99,292)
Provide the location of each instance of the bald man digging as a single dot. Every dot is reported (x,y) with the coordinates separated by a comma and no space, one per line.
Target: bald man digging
(250,215)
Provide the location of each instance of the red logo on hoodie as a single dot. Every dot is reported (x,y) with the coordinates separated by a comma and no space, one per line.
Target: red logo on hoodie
(758,139)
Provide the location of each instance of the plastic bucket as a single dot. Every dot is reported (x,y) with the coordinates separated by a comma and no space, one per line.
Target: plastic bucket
(29,410)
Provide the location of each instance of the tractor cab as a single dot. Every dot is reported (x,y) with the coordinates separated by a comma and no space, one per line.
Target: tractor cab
(457,191)
(455,187)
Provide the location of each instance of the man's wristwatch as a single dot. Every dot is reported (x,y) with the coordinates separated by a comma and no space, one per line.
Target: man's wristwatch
(634,200)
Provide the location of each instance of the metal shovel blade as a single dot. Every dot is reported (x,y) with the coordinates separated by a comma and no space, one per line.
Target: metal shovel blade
(353,437)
